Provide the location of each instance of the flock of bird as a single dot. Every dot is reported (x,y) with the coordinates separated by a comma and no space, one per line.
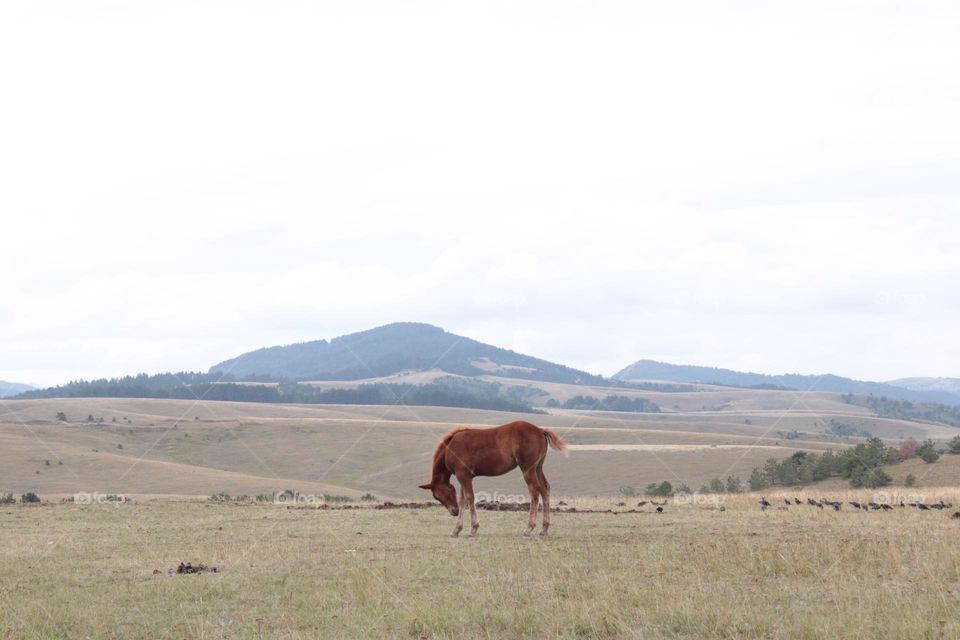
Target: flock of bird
(866,506)
(658,505)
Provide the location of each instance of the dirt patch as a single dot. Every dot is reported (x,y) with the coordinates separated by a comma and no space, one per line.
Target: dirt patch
(407,505)
(525,506)
(503,506)
(186,567)
(667,448)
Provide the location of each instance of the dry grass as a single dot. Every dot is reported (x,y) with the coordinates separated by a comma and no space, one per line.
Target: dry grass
(69,570)
(160,447)
(692,572)
(186,448)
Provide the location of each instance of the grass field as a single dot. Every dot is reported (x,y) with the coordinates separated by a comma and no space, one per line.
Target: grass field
(103,571)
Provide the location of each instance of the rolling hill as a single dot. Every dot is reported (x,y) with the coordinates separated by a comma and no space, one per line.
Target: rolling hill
(948,385)
(8,389)
(652,370)
(177,447)
(392,349)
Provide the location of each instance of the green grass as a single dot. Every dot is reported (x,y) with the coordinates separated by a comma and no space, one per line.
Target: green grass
(694,572)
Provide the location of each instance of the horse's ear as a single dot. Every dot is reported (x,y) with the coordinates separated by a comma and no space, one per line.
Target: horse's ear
(427,486)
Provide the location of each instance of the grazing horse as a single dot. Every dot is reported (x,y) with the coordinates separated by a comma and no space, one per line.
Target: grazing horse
(468,453)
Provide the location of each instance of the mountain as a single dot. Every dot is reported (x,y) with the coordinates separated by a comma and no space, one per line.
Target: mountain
(652,370)
(393,348)
(948,385)
(8,389)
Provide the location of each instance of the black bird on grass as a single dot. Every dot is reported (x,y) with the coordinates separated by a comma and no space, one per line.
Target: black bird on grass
(786,501)
(797,501)
(659,509)
(764,504)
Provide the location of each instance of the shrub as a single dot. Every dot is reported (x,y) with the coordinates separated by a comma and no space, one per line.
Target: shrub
(910,480)
(954,445)
(368,497)
(221,496)
(7,498)
(29,496)
(662,489)
(908,449)
(928,452)
(869,477)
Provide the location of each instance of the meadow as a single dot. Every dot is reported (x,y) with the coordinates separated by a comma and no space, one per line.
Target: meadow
(695,571)
(333,565)
(181,448)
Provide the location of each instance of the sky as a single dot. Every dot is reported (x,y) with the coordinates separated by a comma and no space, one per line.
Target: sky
(760,186)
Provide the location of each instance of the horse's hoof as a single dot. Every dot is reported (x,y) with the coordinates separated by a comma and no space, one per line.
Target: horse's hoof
(543,534)
(473,532)
(455,534)
(526,534)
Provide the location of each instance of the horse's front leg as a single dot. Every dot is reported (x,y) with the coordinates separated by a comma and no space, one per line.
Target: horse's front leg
(467,484)
(463,505)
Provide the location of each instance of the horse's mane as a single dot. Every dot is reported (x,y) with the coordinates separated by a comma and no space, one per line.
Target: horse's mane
(441,447)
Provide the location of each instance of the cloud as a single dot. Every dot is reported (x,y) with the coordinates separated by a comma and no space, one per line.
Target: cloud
(758,187)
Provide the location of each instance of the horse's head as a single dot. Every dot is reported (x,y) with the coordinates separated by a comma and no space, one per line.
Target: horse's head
(445,495)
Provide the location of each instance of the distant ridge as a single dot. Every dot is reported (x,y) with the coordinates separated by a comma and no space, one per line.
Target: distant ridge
(948,385)
(653,370)
(8,389)
(394,348)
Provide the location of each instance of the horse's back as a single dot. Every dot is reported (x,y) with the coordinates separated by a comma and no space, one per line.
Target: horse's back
(497,450)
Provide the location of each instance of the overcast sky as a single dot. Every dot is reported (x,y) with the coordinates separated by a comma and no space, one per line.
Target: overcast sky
(760,187)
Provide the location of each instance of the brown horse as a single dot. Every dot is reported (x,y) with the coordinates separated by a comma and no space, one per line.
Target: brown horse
(468,453)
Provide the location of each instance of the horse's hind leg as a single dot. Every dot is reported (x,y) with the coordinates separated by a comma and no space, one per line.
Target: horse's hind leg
(463,505)
(533,486)
(545,497)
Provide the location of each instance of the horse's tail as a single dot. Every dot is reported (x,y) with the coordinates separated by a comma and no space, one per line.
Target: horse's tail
(555,441)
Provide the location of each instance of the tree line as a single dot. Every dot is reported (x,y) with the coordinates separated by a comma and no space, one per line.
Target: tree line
(608,403)
(447,391)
